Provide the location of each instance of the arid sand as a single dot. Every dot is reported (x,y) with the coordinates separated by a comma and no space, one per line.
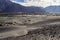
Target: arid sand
(30,27)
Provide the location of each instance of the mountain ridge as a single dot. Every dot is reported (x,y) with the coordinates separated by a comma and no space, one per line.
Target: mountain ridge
(9,6)
(53,9)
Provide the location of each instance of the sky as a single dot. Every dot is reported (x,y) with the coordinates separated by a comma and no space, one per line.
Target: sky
(38,3)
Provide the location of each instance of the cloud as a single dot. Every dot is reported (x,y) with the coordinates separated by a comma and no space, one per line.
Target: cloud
(38,3)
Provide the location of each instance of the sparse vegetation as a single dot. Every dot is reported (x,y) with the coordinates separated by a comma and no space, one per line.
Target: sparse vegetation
(48,32)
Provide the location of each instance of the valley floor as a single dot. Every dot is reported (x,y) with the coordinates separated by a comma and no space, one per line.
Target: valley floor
(33,27)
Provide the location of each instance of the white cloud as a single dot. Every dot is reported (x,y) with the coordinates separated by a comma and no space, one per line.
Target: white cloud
(42,3)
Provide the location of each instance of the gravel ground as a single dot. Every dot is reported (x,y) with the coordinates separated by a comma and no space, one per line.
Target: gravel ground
(48,32)
(52,32)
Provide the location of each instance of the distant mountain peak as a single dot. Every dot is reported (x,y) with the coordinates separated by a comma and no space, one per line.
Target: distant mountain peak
(53,9)
(8,6)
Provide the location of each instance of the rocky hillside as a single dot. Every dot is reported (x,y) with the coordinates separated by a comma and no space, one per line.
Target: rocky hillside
(8,6)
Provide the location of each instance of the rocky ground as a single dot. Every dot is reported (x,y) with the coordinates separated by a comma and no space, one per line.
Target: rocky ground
(52,32)
(46,28)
